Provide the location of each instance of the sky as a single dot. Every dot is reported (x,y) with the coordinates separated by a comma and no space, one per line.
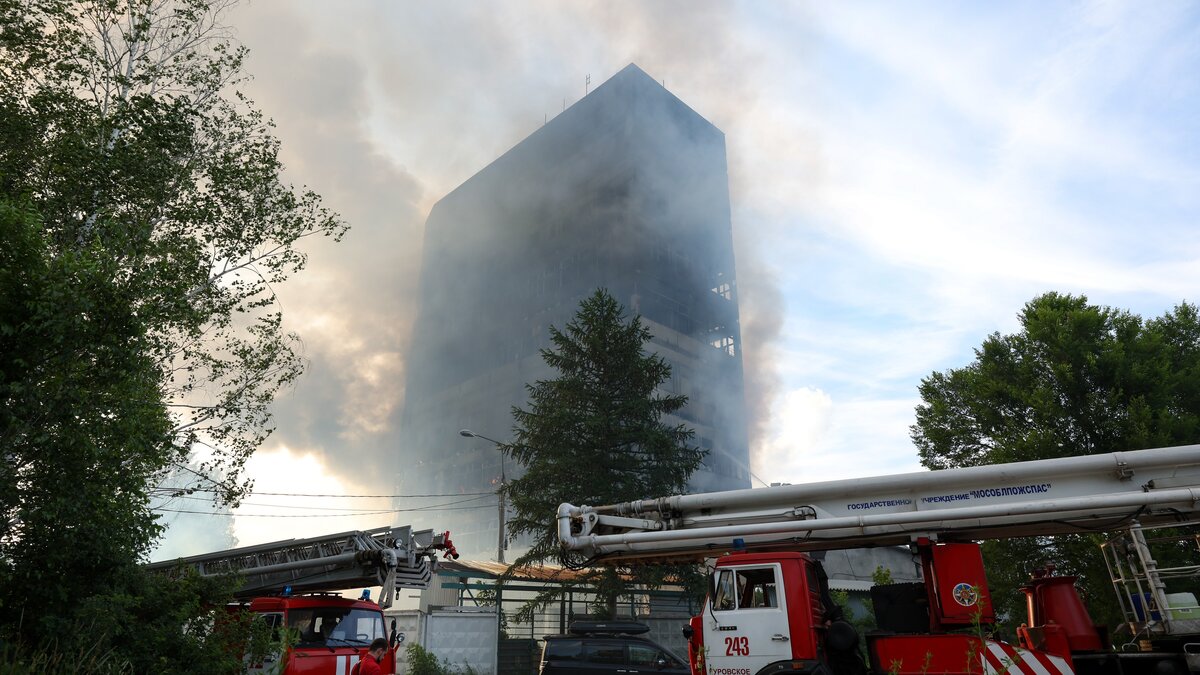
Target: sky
(903,178)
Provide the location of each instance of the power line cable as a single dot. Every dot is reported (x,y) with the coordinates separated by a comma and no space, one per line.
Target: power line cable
(275,515)
(324,515)
(330,508)
(311,494)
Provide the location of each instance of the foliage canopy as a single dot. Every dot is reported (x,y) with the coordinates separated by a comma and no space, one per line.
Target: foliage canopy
(144,224)
(123,130)
(1077,379)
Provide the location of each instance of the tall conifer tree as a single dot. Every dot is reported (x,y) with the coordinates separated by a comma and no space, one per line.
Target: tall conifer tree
(597,433)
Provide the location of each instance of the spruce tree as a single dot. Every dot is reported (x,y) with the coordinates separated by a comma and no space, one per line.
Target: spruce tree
(596,434)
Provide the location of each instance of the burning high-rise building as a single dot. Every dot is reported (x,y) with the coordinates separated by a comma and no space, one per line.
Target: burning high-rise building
(627,190)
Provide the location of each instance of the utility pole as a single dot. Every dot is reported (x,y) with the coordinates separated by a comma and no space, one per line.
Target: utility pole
(500,541)
(500,537)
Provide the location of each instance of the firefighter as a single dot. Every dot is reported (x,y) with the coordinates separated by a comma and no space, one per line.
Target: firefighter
(369,663)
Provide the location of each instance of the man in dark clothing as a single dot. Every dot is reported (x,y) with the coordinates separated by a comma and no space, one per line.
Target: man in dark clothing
(369,663)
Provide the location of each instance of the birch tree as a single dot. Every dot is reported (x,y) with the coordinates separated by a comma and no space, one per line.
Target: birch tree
(125,128)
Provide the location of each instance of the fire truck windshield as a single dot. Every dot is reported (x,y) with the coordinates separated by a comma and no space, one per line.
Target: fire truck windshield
(334,626)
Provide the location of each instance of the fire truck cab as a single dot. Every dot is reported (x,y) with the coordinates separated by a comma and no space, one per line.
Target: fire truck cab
(331,632)
(296,584)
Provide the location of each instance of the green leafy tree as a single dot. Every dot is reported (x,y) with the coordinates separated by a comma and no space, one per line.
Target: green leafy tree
(596,435)
(78,393)
(73,373)
(1077,379)
(124,129)
(145,224)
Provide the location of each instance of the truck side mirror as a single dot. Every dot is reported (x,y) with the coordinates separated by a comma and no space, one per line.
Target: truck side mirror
(393,639)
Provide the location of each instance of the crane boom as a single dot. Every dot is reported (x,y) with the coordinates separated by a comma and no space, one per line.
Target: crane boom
(391,557)
(1042,497)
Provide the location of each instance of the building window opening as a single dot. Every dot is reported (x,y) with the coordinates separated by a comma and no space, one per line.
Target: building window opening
(725,344)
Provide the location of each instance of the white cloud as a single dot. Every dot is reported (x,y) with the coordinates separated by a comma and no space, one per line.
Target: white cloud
(802,420)
(965,167)
(815,437)
(266,517)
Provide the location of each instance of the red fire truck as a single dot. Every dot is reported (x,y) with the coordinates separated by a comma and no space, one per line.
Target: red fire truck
(769,611)
(297,583)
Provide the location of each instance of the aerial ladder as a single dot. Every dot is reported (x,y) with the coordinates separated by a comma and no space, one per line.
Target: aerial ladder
(769,610)
(297,583)
(388,557)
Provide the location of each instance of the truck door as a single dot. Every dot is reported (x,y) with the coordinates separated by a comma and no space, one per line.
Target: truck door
(270,662)
(747,627)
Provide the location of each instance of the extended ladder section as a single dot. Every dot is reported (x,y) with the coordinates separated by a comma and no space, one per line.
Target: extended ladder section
(391,557)
(1054,496)
(1141,574)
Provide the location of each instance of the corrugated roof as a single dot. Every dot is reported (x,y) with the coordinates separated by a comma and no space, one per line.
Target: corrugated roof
(850,585)
(495,569)
(491,569)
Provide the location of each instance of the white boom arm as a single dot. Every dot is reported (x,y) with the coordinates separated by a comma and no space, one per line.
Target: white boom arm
(391,557)
(1052,496)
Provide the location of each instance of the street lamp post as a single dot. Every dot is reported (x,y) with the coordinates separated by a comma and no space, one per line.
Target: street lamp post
(500,542)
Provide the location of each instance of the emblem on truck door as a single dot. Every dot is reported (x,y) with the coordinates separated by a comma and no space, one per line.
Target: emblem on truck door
(965,594)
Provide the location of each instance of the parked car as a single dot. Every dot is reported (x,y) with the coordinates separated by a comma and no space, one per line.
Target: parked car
(600,647)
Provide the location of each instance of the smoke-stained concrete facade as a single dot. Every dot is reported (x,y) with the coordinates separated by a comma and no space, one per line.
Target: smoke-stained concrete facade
(627,190)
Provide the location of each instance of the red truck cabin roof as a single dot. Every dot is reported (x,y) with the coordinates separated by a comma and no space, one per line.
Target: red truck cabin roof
(279,603)
(751,558)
